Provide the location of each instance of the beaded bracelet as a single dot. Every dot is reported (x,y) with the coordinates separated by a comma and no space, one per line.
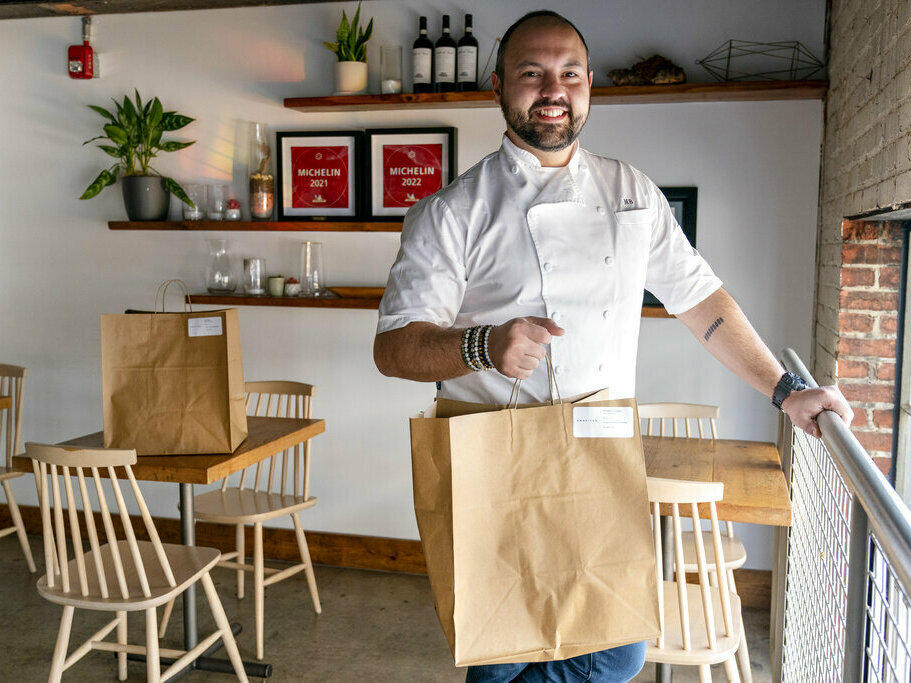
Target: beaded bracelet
(485,353)
(476,347)
(466,350)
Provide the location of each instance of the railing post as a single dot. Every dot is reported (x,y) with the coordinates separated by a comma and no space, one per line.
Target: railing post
(856,612)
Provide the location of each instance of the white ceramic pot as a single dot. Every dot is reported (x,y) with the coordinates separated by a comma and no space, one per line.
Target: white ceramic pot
(350,78)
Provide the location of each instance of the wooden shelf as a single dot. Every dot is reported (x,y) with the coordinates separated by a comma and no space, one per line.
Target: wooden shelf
(21,9)
(352,297)
(262,226)
(734,91)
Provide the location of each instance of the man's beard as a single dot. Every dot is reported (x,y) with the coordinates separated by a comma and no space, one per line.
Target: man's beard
(547,137)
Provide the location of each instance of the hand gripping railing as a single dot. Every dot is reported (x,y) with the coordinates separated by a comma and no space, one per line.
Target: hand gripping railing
(877,617)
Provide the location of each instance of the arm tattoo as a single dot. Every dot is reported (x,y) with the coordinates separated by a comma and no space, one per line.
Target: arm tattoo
(714,326)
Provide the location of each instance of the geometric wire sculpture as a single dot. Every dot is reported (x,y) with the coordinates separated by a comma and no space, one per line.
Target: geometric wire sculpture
(744,60)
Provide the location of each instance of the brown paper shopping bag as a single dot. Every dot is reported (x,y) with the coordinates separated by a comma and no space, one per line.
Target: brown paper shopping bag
(173,383)
(534,523)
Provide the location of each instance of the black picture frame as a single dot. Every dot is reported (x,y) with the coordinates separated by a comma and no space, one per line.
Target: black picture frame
(355,140)
(372,195)
(683,203)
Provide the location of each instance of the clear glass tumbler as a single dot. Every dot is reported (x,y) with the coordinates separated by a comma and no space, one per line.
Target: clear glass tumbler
(313,273)
(216,198)
(197,194)
(391,69)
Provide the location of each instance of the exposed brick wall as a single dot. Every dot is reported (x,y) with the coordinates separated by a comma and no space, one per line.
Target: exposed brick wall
(867,323)
(866,166)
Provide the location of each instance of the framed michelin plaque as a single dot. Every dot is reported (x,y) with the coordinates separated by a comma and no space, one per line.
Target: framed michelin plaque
(318,174)
(404,166)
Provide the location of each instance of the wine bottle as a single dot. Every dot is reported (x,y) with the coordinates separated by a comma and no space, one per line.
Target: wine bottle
(444,58)
(422,60)
(467,59)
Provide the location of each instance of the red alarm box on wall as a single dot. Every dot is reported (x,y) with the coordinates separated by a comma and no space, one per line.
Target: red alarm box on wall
(80,59)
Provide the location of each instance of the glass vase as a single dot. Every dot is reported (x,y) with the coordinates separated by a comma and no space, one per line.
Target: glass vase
(220,278)
(262,182)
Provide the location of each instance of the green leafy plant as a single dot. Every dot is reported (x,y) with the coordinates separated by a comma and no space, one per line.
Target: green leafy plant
(351,39)
(134,130)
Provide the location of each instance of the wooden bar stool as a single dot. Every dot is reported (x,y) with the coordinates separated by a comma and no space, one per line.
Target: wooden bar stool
(270,496)
(12,379)
(122,575)
(735,554)
(701,624)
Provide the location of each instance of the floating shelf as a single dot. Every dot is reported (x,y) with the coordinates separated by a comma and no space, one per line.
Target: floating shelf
(21,9)
(349,297)
(733,91)
(262,226)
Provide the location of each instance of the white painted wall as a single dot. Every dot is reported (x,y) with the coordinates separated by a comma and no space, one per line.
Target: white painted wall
(60,267)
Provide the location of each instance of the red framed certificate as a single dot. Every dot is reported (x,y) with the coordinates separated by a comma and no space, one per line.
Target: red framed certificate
(406,165)
(318,174)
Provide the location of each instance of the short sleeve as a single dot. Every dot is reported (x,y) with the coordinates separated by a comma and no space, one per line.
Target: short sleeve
(677,274)
(427,280)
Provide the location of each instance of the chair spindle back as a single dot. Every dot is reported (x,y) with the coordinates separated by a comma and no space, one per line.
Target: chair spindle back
(280,399)
(74,466)
(679,411)
(12,379)
(676,493)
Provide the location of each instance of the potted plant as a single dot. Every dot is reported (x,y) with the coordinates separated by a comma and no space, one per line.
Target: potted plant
(134,131)
(351,50)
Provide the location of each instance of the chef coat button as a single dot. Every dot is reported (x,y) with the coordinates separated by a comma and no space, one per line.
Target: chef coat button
(602,210)
(555,316)
(548,266)
(514,168)
(605,313)
(608,260)
(558,369)
(601,368)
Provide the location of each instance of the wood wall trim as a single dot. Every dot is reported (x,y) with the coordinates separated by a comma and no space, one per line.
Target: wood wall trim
(347,550)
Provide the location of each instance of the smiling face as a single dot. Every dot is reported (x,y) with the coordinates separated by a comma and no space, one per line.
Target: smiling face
(545,89)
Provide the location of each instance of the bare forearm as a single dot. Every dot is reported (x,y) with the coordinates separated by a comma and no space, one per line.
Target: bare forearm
(721,327)
(420,351)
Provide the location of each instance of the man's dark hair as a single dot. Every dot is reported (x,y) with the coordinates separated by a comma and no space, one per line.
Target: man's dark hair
(504,41)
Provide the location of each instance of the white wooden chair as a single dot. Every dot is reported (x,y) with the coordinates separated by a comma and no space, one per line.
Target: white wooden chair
(12,379)
(122,575)
(270,496)
(701,624)
(735,554)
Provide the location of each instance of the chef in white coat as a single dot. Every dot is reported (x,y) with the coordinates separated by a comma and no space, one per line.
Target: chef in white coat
(545,247)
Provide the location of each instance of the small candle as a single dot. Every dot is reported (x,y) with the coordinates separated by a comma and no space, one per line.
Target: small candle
(391,86)
(276,285)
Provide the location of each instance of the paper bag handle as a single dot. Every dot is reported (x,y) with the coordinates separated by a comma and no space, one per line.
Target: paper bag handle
(162,291)
(551,384)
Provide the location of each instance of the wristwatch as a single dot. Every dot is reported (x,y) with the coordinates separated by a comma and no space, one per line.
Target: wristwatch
(789,382)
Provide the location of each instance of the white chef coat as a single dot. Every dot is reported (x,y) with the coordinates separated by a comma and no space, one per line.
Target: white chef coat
(578,244)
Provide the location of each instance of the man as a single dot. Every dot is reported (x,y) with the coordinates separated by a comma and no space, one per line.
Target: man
(543,245)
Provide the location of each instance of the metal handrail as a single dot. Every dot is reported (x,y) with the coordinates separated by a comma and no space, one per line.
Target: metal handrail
(888,516)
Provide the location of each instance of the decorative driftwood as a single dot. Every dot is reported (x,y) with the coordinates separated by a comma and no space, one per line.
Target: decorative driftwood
(656,70)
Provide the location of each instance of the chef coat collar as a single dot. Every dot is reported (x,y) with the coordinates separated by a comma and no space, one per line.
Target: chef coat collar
(527,159)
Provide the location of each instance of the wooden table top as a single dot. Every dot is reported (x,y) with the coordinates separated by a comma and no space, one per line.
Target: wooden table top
(6,402)
(266,436)
(755,490)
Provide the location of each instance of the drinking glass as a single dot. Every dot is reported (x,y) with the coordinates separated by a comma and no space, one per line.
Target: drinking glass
(313,273)
(391,69)
(215,201)
(255,276)
(197,195)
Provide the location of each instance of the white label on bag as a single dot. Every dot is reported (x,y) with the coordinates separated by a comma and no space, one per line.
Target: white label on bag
(603,422)
(204,327)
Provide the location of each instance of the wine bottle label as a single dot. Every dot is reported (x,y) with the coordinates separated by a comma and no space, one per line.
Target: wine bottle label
(421,59)
(468,64)
(445,67)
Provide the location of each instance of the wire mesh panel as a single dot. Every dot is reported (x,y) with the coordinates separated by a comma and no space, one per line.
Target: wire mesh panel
(817,566)
(888,623)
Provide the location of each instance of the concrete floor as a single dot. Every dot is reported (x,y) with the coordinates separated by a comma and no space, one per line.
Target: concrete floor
(375,626)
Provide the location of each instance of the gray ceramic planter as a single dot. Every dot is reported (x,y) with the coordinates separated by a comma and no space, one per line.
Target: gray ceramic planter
(145,197)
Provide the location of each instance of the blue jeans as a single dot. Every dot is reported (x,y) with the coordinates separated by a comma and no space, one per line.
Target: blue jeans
(608,666)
